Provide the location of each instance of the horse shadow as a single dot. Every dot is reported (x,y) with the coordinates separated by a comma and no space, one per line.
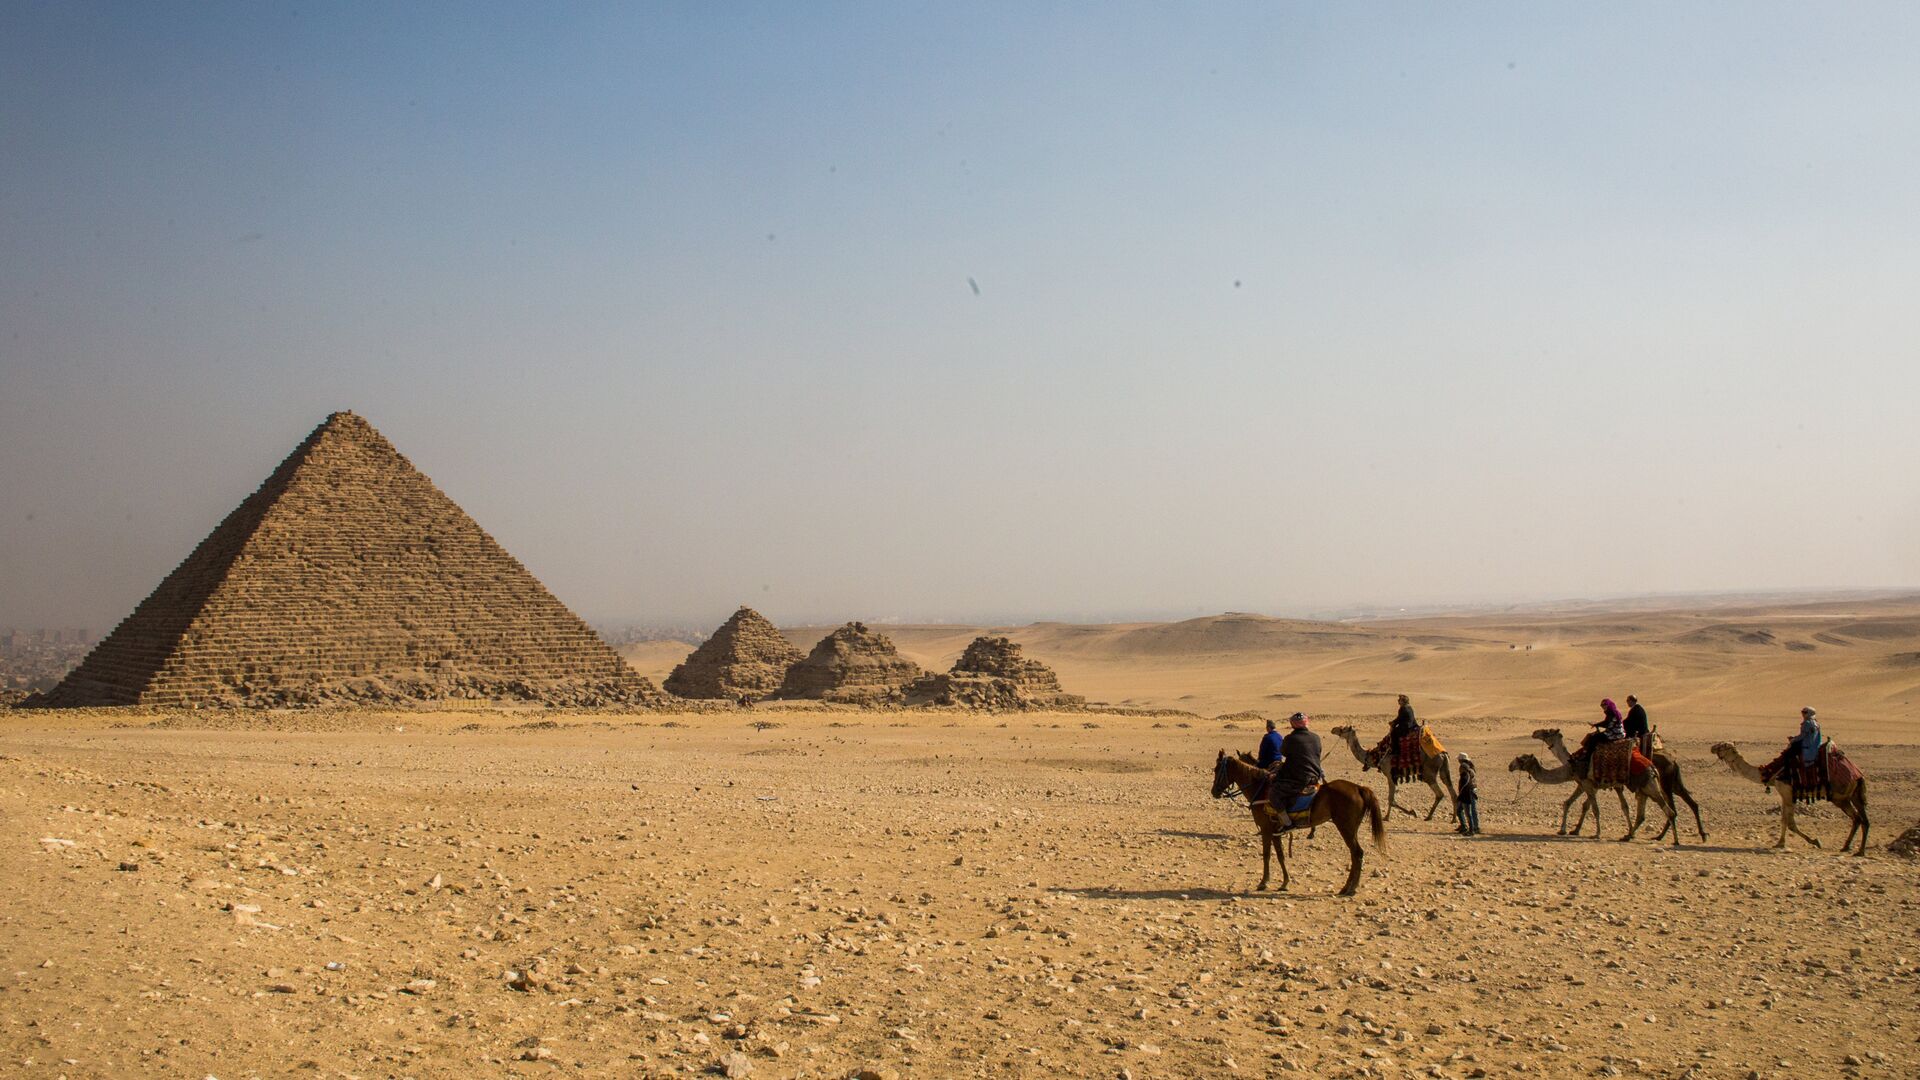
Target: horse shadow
(1188,834)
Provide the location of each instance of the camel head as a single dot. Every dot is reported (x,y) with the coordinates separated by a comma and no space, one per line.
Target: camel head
(1547,734)
(1725,751)
(1342,730)
(1524,763)
(1222,775)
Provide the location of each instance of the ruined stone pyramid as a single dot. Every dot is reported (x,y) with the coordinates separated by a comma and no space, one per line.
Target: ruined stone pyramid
(852,666)
(348,576)
(747,657)
(994,674)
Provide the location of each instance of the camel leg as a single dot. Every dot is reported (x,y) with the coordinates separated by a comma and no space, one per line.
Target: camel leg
(1856,808)
(1698,824)
(1393,799)
(1632,825)
(1589,804)
(1568,805)
(1787,820)
(1434,786)
(1351,834)
(1446,777)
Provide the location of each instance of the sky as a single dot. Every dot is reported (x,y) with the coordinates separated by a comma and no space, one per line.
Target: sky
(977,312)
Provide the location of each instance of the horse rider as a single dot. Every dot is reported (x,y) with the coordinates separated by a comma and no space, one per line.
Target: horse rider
(1609,728)
(1299,768)
(1270,746)
(1636,725)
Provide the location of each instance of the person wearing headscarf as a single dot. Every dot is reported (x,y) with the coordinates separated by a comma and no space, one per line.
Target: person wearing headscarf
(1609,727)
(1809,738)
(1299,767)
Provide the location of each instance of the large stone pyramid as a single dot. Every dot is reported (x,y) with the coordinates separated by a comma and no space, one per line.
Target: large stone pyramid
(852,666)
(348,576)
(746,658)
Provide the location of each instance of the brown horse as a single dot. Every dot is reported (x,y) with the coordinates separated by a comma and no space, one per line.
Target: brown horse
(1340,801)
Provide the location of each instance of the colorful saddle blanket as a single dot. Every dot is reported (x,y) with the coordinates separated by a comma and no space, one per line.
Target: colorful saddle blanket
(1618,762)
(1830,771)
(1407,757)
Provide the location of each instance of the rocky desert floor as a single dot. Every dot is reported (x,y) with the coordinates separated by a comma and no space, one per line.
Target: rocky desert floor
(787,894)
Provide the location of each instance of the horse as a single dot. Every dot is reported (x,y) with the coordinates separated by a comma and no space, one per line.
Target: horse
(1342,802)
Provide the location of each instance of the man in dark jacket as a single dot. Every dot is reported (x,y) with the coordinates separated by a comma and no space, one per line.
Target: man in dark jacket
(1636,724)
(1403,721)
(1271,747)
(1299,767)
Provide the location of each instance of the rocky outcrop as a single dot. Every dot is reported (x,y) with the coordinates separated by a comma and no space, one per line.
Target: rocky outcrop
(746,658)
(852,666)
(993,674)
(349,577)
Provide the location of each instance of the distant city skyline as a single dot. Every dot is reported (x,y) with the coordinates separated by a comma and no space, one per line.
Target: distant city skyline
(872,311)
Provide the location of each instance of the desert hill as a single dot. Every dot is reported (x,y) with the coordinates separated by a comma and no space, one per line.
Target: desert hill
(1747,662)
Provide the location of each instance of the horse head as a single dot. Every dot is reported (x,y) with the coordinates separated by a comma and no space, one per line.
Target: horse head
(1222,775)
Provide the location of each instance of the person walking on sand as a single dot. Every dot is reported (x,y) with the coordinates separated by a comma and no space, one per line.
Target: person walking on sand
(1469,802)
(1299,767)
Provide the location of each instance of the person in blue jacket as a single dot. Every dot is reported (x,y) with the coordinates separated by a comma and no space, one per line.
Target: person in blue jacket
(1270,747)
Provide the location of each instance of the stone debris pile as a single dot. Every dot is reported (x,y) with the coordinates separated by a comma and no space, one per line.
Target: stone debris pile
(746,658)
(349,577)
(852,666)
(993,674)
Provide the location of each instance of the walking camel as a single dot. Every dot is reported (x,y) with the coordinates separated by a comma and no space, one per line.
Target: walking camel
(1563,774)
(1852,799)
(1433,772)
(1670,781)
(1342,802)
(1646,786)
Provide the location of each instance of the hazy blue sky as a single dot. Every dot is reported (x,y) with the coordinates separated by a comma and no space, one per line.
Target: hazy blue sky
(1278,308)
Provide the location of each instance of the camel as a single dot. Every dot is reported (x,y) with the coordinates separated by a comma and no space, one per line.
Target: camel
(1342,802)
(1853,800)
(1433,773)
(1530,765)
(1670,781)
(1647,787)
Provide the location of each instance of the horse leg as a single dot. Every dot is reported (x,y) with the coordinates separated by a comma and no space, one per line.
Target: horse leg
(1350,832)
(1286,876)
(1266,858)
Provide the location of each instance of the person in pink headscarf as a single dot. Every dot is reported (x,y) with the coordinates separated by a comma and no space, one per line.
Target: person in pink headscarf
(1609,727)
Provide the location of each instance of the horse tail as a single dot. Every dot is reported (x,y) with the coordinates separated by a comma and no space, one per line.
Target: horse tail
(1372,805)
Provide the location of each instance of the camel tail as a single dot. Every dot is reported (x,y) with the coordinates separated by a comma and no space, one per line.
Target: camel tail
(1372,804)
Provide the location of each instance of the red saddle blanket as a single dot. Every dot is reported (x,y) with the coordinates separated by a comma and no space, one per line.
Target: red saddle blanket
(1407,757)
(1830,771)
(1618,762)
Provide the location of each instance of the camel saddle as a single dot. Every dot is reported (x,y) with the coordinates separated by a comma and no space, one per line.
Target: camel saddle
(1407,757)
(1430,743)
(1813,781)
(1617,761)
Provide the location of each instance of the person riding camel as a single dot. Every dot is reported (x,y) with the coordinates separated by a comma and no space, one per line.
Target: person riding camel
(1299,768)
(1403,721)
(1270,747)
(1809,738)
(1609,728)
(1636,725)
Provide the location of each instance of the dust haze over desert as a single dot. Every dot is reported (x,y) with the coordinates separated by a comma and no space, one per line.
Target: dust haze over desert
(670,541)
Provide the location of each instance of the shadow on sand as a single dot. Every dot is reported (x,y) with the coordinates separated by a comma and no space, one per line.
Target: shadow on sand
(1186,834)
(1190,895)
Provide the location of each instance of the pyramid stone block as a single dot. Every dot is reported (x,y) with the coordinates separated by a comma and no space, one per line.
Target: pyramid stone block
(348,576)
(851,666)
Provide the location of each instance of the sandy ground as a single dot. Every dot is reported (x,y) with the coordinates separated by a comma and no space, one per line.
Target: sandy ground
(920,895)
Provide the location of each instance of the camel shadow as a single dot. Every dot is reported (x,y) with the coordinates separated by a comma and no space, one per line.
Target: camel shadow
(1186,834)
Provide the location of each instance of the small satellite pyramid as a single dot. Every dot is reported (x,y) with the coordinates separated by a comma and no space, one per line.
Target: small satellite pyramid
(747,657)
(349,577)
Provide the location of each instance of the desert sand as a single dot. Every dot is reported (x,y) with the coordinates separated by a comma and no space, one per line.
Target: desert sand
(792,891)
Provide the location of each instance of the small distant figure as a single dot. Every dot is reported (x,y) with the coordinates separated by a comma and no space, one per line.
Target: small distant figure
(1469,801)
(1636,725)
(746,701)
(1271,745)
